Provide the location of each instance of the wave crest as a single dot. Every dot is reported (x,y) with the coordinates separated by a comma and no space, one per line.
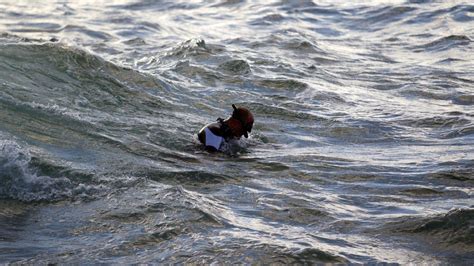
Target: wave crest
(20,182)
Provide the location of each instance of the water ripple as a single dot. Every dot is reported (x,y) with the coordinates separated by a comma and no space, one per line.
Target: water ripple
(362,149)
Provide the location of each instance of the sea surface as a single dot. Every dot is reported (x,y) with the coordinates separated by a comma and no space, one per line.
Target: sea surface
(362,149)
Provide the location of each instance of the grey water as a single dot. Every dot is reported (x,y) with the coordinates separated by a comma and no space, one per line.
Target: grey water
(362,149)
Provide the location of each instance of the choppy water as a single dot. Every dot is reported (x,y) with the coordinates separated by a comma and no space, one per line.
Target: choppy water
(363,149)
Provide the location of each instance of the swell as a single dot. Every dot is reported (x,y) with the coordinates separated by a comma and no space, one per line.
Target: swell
(453,229)
(72,84)
(86,120)
(444,43)
(157,217)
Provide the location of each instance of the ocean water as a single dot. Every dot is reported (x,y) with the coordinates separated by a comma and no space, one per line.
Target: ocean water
(362,152)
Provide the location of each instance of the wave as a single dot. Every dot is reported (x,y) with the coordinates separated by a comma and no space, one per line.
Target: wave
(453,229)
(444,43)
(192,48)
(464,99)
(20,181)
(461,174)
(284,113)
(459,132)
(437,122)
(236,67)
(27,178)
(267,254)
(388,14)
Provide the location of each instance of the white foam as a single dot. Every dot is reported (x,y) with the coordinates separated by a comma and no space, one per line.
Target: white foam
(233,147)
(21,182)
(56,109)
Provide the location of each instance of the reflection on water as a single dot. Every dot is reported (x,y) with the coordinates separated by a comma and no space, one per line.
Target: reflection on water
(361,153)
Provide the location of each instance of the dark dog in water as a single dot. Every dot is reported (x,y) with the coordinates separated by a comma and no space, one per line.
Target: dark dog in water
(239,124)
